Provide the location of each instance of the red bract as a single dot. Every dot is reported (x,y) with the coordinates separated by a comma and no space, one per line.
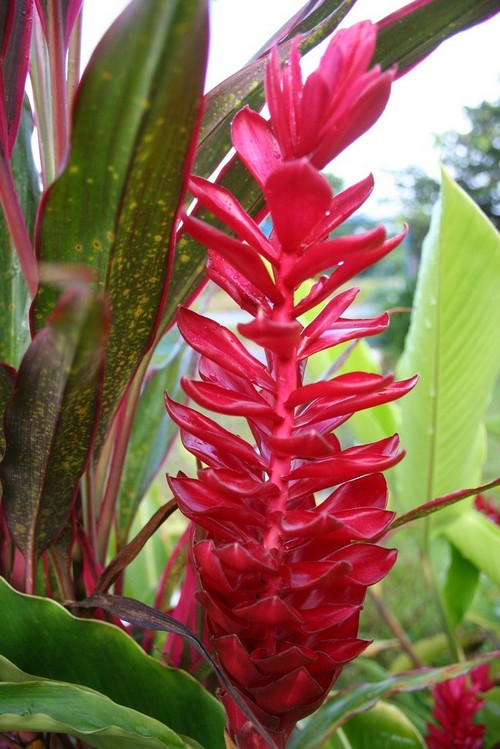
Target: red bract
(283,571)
(320,117)
(455,704)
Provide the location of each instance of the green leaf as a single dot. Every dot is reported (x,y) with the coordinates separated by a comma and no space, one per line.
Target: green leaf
(114,207)
(136,612)
(478,540)
(40,637)
(14,300)
(462,579)
(452,343)
(413,34)
(358,698)
(385,726)
(56,707)
(50,420)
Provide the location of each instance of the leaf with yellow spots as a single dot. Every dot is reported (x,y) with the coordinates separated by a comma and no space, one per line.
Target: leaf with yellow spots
(50,421)
(114,207)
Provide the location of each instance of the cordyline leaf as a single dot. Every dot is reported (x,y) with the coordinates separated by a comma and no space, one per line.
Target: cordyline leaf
(360,697)
(57,707)
(15,37)
(50,420)
(113,209)
(14,299)
(114,665)
(135,612)
(452,344)
(407,36)
(7,381)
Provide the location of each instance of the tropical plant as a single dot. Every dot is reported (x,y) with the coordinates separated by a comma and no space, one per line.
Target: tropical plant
(101,243)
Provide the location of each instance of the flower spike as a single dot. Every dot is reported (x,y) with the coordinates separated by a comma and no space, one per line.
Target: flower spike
(283,571)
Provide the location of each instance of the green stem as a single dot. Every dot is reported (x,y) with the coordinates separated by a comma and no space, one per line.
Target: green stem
(17,226)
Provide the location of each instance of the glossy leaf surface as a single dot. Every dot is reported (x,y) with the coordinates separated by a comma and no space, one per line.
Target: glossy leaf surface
(113,665)
(56,707)
(452,344)
(113,209)
(50,421)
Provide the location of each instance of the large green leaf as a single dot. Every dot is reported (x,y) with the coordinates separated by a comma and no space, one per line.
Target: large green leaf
(40,637)
(50,420)
(57,707)
(453,345)
(114,207)
(341,706)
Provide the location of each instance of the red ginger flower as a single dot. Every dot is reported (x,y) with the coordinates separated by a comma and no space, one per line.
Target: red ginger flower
(319,118)
(282,575)
(456,702)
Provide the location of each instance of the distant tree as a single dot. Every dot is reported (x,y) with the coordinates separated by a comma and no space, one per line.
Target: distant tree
(474,157)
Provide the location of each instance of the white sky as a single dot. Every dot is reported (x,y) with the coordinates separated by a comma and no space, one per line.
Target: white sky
(429,100)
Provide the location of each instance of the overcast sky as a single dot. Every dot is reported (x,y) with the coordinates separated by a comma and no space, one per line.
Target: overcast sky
(429,100)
